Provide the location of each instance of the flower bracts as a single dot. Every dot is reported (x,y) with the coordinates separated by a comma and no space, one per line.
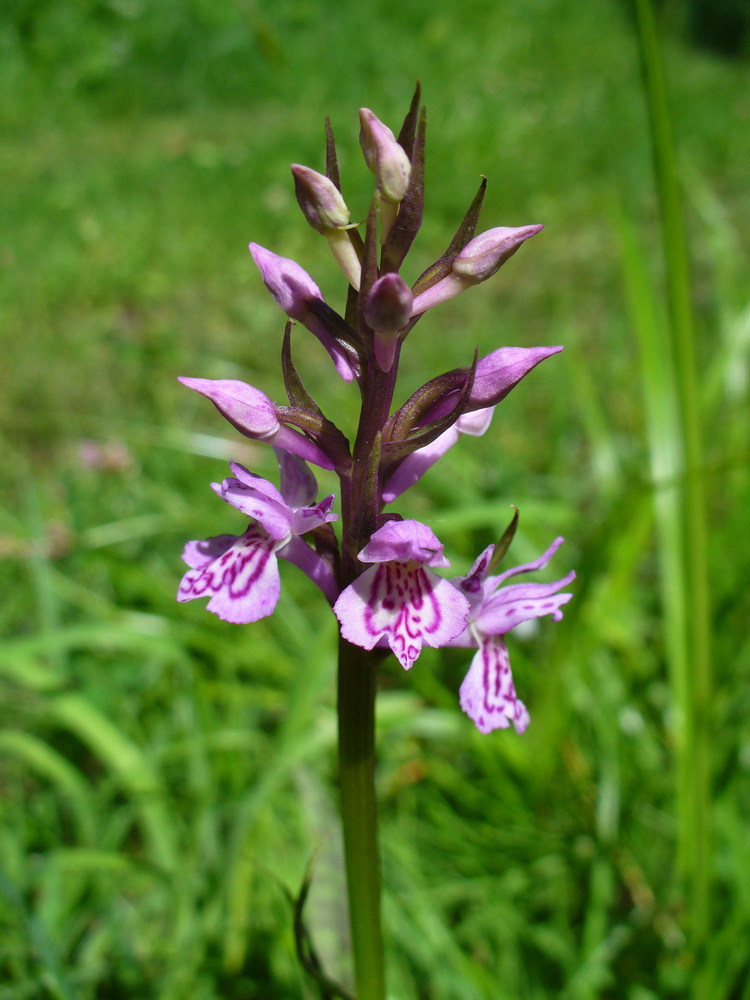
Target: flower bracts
(377,571)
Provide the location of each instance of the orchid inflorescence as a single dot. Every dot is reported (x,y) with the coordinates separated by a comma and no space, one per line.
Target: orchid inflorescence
(380,577)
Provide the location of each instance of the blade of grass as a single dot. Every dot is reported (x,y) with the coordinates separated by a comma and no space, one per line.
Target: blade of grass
(694,855)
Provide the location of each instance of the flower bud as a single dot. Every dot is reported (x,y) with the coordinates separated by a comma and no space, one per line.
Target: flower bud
(485,254)
(388,310)
(253,414)
(479,260)
(319,199)
(384,156)
(389,304)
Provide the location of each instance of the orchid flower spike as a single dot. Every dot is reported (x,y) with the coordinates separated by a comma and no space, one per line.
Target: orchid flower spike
(295,291)
(240,574)
(487,694)
(326,211)
(253,414)
(400,599)
(479,260)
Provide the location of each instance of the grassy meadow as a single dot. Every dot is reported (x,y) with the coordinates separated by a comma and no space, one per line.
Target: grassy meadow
(167,778)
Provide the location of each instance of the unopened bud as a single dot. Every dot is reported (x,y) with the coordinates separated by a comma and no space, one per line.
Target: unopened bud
(384,156)
(319,199)
(389,304)
(485,254)
(388,310)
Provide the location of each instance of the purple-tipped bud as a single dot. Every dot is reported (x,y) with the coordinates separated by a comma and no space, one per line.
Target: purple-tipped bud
(294,290)
(319,199)
(388,310)
(496,374)
(384,156)
(290,285)
(389,304)
(253,414)
(485,254)
(245,407)
(479,260)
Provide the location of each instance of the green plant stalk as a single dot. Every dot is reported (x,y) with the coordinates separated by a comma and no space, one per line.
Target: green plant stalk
(356,712)
(694,696)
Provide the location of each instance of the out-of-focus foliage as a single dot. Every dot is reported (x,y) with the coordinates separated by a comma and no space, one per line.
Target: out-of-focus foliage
(165,777)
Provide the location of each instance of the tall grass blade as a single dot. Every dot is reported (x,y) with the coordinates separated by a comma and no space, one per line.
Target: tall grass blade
(693,695)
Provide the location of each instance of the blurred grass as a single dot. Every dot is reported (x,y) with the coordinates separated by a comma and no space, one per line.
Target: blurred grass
(165,776)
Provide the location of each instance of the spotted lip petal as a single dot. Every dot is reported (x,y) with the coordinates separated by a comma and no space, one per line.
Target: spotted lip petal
(406,604)
(242,580)
(241,575)
(488,694)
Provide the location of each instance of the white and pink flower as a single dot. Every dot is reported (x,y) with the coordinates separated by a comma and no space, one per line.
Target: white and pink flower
(400,599)
(488,694)
(240,574)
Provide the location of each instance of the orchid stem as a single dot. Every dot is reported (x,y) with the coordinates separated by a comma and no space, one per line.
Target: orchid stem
(356,714)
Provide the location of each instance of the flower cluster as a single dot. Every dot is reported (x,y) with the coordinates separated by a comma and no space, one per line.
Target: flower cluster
(378,570)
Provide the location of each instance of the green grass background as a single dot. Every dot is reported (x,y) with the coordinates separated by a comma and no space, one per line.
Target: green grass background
(166,777)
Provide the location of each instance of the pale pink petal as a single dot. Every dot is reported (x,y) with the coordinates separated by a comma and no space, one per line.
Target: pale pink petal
(408,604)
(314,565)
(275,517)
(243,582)
(529,567)
(487,693)
(415,465)
(403,541)
(201,553)
(501,615)
(259,483)
(297,483)
(307,518)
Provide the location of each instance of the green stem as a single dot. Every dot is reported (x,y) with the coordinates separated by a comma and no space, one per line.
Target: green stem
(356,712)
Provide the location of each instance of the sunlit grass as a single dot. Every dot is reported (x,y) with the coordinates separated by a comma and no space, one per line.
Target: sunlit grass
(166,778)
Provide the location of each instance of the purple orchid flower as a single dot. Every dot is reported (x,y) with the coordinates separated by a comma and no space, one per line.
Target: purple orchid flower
(399,599)
(240,573)
(253,414)
(294,290)
(415,465)
(487,694)
(497,373)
